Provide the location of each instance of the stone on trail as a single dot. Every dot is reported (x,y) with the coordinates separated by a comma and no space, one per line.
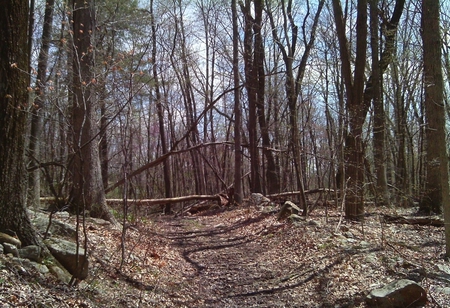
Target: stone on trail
(398,294)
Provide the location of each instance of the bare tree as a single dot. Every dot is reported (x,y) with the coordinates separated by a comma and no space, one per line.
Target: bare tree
(354,87)
(294,82)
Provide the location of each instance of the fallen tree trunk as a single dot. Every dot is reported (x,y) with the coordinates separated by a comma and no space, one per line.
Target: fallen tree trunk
(422,221)
(294,193)
(149,202)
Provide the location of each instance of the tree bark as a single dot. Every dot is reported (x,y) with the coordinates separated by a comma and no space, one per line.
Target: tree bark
(379,125)
(251,85)
(272,177)
(87,191)
(293,84)
(354,87)
(34,183)
(14,62)
(436,189)
(238,197)
(160,110)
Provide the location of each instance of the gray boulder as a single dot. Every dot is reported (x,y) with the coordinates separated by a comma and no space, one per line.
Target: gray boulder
(288,209)
(10,248)
(398,294)
(65,252)
(259,199)
(58,227)
(31,252)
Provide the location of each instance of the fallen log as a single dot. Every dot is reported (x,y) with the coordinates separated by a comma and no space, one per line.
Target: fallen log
(149,202)
(295,193)
(422,220)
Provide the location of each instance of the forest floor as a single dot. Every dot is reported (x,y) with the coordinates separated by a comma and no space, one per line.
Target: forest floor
(242,257)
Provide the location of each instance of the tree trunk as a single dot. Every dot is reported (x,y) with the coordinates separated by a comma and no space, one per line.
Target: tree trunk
(14,61)
(379,126)
(237,111)
(437,162)
(293,84)
(252,85)
(160,110)
(87,191)
(437,192)
(354,86)
(34,183)
(272,178)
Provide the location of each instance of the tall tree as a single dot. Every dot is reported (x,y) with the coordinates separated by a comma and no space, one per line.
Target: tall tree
(379,125)
(160,110)
(237,110)
(14,63)
(294,81)
(354,88)
(34,183)
(87,191)
(251,85)
(436,186)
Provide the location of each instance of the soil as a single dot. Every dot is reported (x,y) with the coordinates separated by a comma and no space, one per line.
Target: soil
(242,257)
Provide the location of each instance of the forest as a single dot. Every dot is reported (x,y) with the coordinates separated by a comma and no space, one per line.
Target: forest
(142,113)
(162,86)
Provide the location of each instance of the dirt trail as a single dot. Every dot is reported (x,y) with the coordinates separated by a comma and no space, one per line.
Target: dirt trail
(233,264)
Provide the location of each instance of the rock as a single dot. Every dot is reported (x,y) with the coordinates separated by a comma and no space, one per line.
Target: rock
(314,223)
(443,290)
(30,265)
(363,245)
(31,252)
(288,209)
(41,268)
(442,268)
(5,238)
(371,258)
(443,272)
(65,252)
(348,234)
(258,199)
(269,209)
(398,294)
(10,248)
(61,215)
(295,217)
(40,221)
(60,273)
(98,221)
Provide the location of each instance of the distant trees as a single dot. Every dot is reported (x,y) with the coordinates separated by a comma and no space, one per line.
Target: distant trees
(295,95)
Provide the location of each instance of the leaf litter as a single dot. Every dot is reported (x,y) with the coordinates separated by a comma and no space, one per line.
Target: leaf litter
(243,257)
